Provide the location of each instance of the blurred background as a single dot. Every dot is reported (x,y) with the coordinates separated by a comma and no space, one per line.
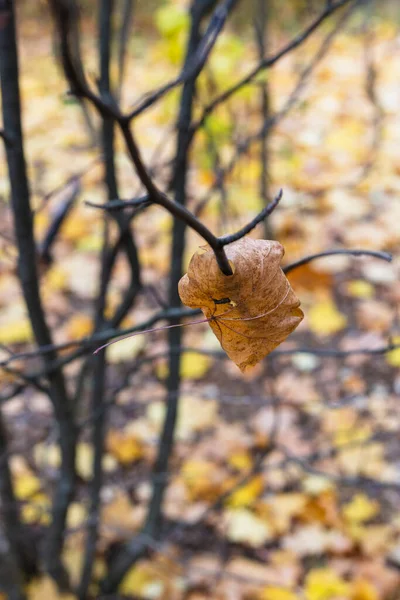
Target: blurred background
(277,484)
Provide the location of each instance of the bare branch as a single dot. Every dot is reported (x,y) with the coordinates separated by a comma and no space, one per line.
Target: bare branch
(303,261)
(197,62)
(23,223)
(269,62)
(123,37)
(121,204)
(11,560)
(59,218)
(229,239)
(87,343)
(272,119)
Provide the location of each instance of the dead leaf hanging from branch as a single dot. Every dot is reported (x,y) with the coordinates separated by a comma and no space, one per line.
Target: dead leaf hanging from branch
(252,311)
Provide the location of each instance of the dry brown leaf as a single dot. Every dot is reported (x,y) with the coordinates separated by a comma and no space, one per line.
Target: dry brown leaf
(252,311)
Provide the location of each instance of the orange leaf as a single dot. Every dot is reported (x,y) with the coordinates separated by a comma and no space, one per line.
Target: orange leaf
(252,311)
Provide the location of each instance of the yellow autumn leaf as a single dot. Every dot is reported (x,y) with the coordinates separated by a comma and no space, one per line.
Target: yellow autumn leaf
(241,460)
(151,580)
(352,435)
(347,139)
(273,592)
(56,279)
(26,484)
(325,319)
(363,590)
(90,243)
(41,223)
(360,289)
(360,509)
(325,584)
(76,228)
(15,332)
(171,19)
(73,557)
(202,479)
(46,589)
(77,515)
(283,508)
(84,460)
(393,357)
(47,455)
(247,493)
(244,527)
(127,449)
(126,349)
(119,513)
(136,580)
(79,325)
(314,485)
(366,459)
(37,510)
(195,414)
(193,366)
(374,540)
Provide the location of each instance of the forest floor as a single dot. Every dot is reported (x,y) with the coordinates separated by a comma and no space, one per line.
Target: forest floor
(304,448)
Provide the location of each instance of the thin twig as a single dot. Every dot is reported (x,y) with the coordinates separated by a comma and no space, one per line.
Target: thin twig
(266,211)
(192,68)
(269,61)
(120,204)
(272,120)
(307,259)
(108,109)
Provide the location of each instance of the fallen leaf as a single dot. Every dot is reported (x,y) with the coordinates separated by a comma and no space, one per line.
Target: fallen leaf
(363,590)
(374,540)
(274,574)
(373,315)
(313,540)
(195,414)
(77,514)
(84,460)
(56,278)
(360,289)
(46,589)
(126,349)
(203,479)
(79,325)
(244,527)
(325,319)
(252,311)
(127,449)
(15,332)
(284,508)
(360,509)
(393,357)
(325,584)
(120,514)
(37,510)
(47,455)
(247,493)
(193,366)
(156,579)
(273,592)
(26,485)
(240,460)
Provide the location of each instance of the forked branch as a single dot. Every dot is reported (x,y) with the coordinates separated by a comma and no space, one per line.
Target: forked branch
(64,15)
